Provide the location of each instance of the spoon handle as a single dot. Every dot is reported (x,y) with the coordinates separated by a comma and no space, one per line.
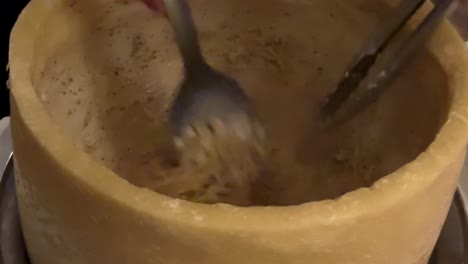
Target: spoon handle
(186,35)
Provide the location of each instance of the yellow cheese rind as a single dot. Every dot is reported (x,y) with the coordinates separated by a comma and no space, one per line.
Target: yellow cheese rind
(74,210)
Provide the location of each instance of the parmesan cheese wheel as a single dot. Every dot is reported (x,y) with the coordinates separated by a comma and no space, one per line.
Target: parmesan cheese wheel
(91,81)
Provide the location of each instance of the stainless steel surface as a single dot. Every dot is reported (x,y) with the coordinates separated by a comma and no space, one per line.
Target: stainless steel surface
(6,147)
(452,245)
(450,249)
(12,247)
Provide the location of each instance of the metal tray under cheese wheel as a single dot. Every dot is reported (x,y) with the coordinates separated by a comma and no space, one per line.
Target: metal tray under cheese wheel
(452,247)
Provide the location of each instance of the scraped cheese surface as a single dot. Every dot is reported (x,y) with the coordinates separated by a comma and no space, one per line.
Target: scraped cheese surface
(112,80)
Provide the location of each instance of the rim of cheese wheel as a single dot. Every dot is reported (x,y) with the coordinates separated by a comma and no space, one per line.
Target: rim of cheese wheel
(398,186)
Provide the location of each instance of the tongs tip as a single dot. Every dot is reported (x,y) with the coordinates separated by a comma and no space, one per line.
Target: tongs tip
(367,57)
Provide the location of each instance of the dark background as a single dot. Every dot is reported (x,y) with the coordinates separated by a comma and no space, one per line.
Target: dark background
(11,8)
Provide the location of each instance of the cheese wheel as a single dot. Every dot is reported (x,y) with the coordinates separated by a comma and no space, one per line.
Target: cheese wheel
(85,200)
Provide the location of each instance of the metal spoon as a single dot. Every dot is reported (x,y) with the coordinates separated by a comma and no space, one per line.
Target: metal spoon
(206,97)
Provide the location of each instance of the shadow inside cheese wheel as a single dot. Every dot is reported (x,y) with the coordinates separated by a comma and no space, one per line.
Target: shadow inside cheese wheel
(111,81)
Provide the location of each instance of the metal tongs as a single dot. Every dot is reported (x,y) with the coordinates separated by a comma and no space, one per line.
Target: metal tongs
(334,109)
